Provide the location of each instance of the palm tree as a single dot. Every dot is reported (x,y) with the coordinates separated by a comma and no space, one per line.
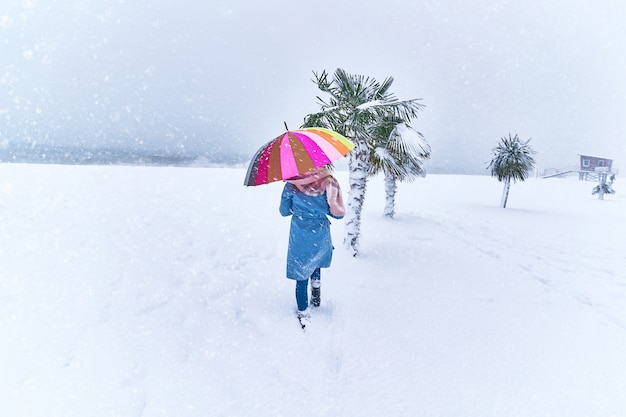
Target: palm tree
(601,189)
(399,152)
(512,160)
(356,104)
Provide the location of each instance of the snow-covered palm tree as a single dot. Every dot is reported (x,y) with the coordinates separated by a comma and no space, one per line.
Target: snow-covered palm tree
(512,160)
(357,103)
(399,152)
(603,188)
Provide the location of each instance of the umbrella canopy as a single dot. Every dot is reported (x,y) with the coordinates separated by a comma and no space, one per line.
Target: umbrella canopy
(294,153)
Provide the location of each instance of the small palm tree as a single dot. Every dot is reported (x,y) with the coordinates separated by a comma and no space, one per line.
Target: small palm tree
(512,160)
(399,152)
(602,188)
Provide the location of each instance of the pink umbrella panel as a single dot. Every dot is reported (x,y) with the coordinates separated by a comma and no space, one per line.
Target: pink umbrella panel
(294,153)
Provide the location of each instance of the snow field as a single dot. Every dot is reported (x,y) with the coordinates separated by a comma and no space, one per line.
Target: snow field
(144,291)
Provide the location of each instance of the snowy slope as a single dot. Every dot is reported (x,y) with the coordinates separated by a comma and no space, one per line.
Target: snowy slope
(144,291)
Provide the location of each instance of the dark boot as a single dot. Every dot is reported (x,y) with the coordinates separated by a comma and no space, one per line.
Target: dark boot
(316,292)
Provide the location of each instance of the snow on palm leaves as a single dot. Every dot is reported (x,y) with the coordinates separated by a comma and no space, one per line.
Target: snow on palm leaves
(512,160)
(399,150)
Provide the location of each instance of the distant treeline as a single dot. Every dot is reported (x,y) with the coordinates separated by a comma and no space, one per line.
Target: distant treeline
(80,156)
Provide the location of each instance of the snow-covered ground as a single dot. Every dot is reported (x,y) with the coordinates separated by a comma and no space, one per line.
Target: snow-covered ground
(145,291)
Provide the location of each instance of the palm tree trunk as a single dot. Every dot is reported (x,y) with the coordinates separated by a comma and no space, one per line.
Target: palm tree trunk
(390,195)
(505,192)
(601,190)
(358,164)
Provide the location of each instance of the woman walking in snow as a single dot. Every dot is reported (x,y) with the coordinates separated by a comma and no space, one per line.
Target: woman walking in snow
(309,199)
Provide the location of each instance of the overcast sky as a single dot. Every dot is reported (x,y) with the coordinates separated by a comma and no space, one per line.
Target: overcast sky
(223,76)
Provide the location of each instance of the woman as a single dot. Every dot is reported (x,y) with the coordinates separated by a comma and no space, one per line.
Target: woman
(309,199)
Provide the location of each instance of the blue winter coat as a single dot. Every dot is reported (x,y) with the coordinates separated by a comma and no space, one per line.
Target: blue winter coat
(310,244)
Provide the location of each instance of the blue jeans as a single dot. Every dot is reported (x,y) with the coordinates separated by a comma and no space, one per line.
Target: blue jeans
(302,290)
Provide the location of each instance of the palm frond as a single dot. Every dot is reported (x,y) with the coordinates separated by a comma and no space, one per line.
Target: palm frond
(398,150)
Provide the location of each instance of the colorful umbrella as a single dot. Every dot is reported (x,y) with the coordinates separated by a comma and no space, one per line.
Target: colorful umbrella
(294,153)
